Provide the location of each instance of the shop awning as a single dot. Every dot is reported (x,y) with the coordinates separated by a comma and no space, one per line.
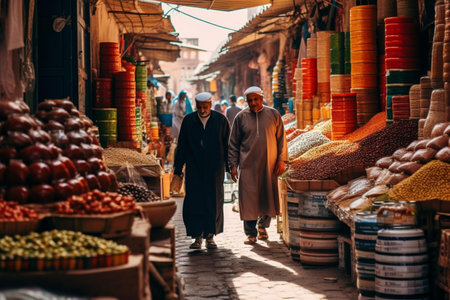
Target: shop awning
(226,5)
(151,33)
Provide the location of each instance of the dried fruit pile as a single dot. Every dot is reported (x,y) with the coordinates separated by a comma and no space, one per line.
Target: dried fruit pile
(59,250)
(96,202)
(12,211)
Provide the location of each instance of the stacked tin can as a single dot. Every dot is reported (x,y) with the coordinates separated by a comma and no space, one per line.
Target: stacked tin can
(343,114)
(402,59)
(323,66)
(401,255)
(106,121)
(366,228)
(309,88)
(318,229)
(340,82)
(364,70)
(125,102)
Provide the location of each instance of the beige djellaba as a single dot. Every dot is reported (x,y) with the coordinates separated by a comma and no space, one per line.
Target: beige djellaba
(257,143)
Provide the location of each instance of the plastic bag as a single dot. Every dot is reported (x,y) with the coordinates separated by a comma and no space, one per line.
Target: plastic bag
(373,172)
(409,167)
(338,193)
(424,155)
(438,142)
(384,162)
(359,187)
(129,174)
(399,153)
(444,154)
(376,191)
(384,177)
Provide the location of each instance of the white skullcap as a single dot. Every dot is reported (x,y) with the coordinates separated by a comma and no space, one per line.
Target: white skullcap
(253,90)
(203,97)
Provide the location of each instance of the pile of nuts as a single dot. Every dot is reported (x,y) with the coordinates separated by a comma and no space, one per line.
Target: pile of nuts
(140,193)
(12,211)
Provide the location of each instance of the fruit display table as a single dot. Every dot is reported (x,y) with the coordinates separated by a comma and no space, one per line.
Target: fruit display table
(123,282)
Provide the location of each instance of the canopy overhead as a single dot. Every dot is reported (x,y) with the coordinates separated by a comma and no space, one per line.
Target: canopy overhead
(226,5)
(148,29)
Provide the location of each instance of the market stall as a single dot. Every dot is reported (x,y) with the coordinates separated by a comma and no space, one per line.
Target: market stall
(368,182)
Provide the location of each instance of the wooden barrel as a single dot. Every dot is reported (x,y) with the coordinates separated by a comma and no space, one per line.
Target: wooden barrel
(367,104)
(102,88)
(408,8)
(109,59)
(343,114)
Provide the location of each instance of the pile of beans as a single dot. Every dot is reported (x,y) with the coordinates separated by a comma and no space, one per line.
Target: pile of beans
(432,181)
(118,157)
(375,124)
(140,193)
(336,147)
(379,144)
(294,134)
(305,142)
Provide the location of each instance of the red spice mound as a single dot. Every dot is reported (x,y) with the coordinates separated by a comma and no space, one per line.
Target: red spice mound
(375,124)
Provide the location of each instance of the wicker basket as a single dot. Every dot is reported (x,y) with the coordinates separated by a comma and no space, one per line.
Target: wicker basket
(111,225)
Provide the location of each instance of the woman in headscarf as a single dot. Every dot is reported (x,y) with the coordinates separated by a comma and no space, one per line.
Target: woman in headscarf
(181,106)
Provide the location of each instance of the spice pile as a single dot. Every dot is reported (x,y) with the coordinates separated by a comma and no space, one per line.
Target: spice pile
(375,124)
(305,142)
(325,127)
(288,118)
(96,202)
(140,193)
(59,250)
(379,144)
(12,211)
(119,156)
(432,181)
(294,134)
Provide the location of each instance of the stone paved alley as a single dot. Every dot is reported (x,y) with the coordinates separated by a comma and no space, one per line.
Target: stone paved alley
(263,271)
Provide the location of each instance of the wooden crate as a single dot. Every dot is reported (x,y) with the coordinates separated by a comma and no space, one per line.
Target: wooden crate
(311,185)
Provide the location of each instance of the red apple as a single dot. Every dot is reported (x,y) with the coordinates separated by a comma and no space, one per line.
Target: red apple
(69,165)
(39,136)
(41,115)
(42,193)
(39,173)
(8,108)
(18,139)
(85,184)
(67,105)
(73,124)
(77,186)
(63,190)
(53,125)
(59,170)
(93,182)
(74,152)
(35,152)
(17,173)
(74,112)
(21,123)
(58,114)
(104,180)
(87,149)
(97,151)
(75,137)
(95,140)
(47,105)
(59,138)
(54,151)
(96,164)
(17,193)
(114,184)
(2,173)
(82,166)
(7,153)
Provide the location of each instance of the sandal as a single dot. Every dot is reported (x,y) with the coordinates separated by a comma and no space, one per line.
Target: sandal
(197,244)
(262,234)
(209,242)
(250,240)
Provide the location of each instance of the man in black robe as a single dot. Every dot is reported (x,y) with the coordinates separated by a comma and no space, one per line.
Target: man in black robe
(203,148)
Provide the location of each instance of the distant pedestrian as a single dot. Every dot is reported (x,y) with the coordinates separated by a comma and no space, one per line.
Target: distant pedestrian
(203,148)
(233,110)
(258,148)
(181,106)
(241,102)
(224,105)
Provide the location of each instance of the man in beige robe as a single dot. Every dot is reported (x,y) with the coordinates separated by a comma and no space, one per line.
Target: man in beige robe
(258,148)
